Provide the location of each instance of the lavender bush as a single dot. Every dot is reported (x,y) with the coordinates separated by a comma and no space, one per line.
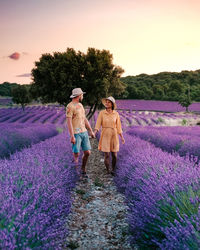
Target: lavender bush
(165,106)
(163,194)
(35,199)
(16,137)
(183,140)
(5,101)
(56,115)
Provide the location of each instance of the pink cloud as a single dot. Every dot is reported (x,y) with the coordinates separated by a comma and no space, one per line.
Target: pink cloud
(14,56)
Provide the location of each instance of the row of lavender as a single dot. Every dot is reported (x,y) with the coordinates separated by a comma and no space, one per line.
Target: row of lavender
(183,140)
(33,114)
(139,118)
(56,115)
(35,188)
(14,137)
(164,106)
(163,194)
(4,101)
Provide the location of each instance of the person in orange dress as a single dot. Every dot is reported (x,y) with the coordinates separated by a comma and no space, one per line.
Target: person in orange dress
(110,122)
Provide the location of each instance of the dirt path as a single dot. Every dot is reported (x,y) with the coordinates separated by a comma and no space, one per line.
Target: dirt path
(98,218)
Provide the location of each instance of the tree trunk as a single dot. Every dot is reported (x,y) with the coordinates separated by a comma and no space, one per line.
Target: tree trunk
(23,107)
(92,111)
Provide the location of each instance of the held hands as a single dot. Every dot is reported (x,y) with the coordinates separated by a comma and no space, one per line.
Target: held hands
(92,134)
(95,132)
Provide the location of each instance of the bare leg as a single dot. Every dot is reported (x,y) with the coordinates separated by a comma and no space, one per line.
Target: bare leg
(76,155)
(85,159)
(107,161)
(114,161)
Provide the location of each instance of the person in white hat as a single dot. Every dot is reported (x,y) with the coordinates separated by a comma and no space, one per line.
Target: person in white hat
(110,122)
(77,125)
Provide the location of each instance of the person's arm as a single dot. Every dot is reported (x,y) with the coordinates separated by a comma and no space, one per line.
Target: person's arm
(71,131)
(87,124)
(119,129)
(122,138)
(69,114)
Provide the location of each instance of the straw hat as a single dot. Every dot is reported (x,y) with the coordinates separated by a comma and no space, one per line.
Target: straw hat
(76,92)
(110,98)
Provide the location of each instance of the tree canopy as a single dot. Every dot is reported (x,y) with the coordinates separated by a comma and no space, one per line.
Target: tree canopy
(20,95)
(54,76)
(5,88)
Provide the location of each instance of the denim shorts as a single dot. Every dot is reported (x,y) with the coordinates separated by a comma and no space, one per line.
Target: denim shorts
(82,141)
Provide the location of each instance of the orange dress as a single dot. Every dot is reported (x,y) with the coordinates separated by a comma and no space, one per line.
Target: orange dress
(111,127)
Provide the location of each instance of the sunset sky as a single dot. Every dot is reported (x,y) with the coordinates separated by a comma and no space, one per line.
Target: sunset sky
(144,36)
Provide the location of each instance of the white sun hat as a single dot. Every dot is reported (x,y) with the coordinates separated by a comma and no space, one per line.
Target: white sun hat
(110,98)
(76,92)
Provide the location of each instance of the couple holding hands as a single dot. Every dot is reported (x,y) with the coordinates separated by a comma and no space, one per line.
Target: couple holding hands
(78,124)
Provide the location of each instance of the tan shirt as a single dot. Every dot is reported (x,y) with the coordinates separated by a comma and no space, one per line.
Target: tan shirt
(77,113)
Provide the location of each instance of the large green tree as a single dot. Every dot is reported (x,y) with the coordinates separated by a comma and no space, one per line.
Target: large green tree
(54,77)
(20,95)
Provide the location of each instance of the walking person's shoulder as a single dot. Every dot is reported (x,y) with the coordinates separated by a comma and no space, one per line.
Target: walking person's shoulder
(69,109)
(115,112)
(80,105)
(70,104)
(103,111)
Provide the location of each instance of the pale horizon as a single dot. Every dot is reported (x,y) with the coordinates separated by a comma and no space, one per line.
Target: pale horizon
(149,36)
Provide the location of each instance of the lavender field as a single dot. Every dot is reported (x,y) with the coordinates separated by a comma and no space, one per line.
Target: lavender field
(35,195)
(5,101)
(55,114)
(158,172)
(163,106)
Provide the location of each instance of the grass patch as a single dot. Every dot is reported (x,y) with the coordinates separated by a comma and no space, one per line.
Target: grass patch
(80,191)
(184,122)
(98,183)
(73,245)
(160,120)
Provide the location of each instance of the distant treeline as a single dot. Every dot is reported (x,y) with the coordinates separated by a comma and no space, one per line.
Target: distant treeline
(5,88)
(166,86)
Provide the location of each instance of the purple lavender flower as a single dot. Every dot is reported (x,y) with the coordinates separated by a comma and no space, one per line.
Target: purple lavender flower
(35,195)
